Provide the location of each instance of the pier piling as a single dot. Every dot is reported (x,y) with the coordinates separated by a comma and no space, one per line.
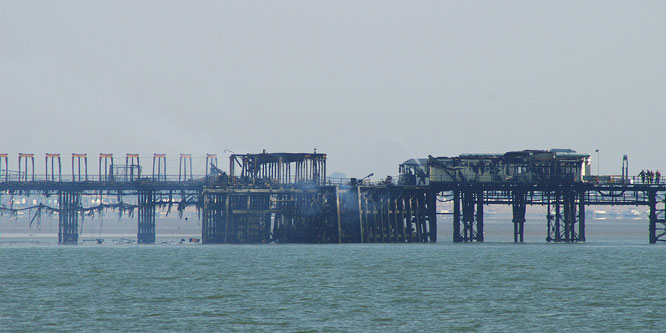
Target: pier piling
(519,209)
(68,217)
(146,217)
(287,198)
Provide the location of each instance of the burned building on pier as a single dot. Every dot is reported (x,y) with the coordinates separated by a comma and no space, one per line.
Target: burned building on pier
(280,168)
(285,198)
(534,166)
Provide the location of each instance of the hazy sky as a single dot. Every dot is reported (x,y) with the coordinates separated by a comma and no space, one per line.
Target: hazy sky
(371,83)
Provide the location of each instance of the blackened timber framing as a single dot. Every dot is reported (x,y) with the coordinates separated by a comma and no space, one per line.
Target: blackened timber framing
(375,213)
(396,215)
(329,214)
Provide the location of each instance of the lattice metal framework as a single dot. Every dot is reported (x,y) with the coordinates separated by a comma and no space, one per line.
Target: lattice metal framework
(281,168)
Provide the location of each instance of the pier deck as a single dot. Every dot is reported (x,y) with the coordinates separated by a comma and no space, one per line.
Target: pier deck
(286,198)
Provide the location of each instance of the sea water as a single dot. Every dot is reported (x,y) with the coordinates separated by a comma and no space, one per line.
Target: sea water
(611,282)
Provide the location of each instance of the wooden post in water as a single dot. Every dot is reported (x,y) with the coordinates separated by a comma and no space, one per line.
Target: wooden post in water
(337,208)
(360,213)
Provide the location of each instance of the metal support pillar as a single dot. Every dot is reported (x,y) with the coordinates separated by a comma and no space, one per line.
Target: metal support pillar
(68,221)
(211,159)
(558,217)
(50,159)
(479,216)
(382,209)
(652,202)
(431,207)
(467,216)
(581,216)
(457,236)
(76,172)
(159,161)
(133,166)
(625,169)
(24,160)
(562,225)
(183,167)
(4,173)
(360,214)
(338,219)
(472,216)
(657,203)
(146,217)
(105,167)
(403,216)
(519,209)
(569,216)
(549,218)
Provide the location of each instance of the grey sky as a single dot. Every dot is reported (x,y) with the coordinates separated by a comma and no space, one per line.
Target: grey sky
(371,83)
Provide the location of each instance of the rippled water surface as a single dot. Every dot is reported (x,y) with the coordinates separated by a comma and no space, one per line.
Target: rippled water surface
(597,286)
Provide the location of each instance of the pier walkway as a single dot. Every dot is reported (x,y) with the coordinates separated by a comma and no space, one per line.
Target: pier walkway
(286,198)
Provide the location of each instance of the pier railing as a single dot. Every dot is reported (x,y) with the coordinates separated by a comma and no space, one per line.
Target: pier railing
(20,177)
(617,179)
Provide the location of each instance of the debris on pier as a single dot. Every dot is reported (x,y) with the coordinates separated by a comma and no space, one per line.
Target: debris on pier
(284,197)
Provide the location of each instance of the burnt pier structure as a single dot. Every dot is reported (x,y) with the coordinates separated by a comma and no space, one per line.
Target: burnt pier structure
(558,180)
(565,205)
(287,198)
(324,214)
(135,192)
